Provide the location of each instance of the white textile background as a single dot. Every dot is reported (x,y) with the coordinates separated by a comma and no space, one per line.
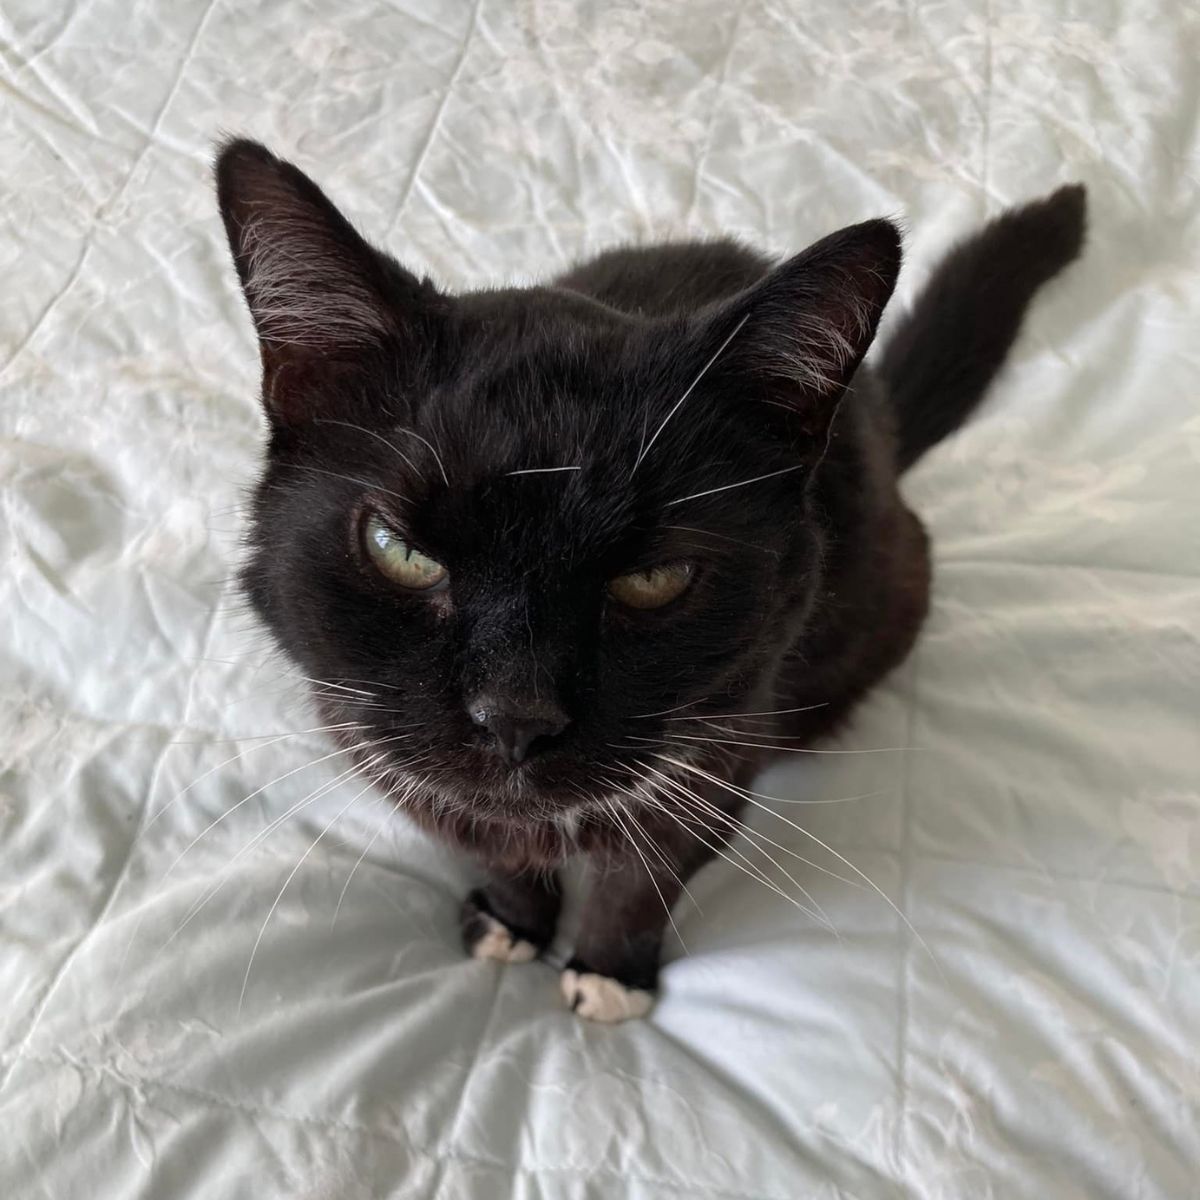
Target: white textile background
(1040,825)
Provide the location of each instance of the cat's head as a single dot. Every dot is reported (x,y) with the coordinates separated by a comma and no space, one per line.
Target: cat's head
(510,532)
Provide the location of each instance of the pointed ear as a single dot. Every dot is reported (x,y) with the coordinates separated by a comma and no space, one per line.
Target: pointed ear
(803,330)
(321,298)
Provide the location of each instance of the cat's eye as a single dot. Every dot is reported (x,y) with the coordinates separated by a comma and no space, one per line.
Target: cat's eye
(399,561)
(653,587)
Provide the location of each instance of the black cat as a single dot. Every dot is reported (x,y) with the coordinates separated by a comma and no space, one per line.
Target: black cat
(572,560)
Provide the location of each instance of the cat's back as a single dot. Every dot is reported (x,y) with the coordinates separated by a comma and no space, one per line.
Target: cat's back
(668,278)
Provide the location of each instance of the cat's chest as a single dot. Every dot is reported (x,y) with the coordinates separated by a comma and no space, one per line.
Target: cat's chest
(519,844)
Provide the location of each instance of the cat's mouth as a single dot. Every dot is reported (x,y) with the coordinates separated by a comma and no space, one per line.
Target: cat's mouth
(539,788)
(534,786)
(465,776)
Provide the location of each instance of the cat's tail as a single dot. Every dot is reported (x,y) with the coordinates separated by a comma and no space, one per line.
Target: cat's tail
(944,353)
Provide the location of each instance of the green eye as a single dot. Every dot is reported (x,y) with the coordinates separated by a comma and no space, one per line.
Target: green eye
(652,588)
(399,561)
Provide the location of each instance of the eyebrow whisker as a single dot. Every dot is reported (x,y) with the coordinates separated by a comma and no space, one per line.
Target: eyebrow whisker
(542,470)
(429,446)
(744,483)
(374,487)
(691,388)
(377,436)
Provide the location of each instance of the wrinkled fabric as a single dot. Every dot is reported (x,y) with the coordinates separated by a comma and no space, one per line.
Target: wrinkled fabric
(1010,1007)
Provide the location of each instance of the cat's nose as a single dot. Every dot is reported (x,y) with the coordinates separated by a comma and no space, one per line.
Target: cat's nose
(518,731)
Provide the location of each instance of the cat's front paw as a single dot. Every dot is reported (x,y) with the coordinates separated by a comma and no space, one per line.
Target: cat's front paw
(484,935)
(601,998)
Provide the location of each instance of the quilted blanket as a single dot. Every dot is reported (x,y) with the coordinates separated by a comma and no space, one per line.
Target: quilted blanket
(1009,1009)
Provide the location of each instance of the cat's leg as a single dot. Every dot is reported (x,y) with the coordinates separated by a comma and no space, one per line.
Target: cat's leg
(614,970)
(513,917)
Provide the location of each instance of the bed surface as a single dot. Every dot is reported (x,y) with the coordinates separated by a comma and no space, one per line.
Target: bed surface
(1031,804)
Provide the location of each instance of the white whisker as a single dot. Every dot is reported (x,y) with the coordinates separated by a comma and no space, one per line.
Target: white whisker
(271,739)
(773,712)
(377,436)
(710,810)
(744,483)
(357,863)
(274,735)
(613,809)
(722,537)
(246,800)
(279,896)
(311,798)
(316,794)
(372,683)
(715,741)
(643,793)
(750,832)
(542,470)
(366,483)
(677,708)
(691,388)
(429,446)
(751,870)
(341,687)
(825,846)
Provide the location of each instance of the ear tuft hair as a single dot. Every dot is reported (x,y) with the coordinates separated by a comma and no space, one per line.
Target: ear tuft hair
(310,280)
(813,318)
(322,299)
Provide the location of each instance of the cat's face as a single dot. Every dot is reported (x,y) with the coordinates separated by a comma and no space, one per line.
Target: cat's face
(513,533)
(489,545)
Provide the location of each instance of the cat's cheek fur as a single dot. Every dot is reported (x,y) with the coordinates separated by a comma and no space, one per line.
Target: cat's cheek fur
(599,998)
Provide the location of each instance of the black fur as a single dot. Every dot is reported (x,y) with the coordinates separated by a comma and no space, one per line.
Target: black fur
(528,910)
(944,354)
(764,467)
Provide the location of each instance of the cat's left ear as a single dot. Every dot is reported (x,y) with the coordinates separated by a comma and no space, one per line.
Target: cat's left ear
(322,299)
(803,330)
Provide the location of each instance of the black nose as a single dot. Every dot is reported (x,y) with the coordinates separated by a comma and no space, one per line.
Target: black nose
(518,730)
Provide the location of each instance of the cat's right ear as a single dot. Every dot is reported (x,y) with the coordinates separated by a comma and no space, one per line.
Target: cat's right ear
(803,329)
(322,299)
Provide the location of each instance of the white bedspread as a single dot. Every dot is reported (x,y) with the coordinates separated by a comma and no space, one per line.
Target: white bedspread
(1037,818)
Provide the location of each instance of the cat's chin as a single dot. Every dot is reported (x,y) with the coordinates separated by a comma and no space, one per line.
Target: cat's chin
(522,794)
(525,794)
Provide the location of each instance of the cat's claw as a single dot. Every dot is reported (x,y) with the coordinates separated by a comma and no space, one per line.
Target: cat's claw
(599,998)
(496,941)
